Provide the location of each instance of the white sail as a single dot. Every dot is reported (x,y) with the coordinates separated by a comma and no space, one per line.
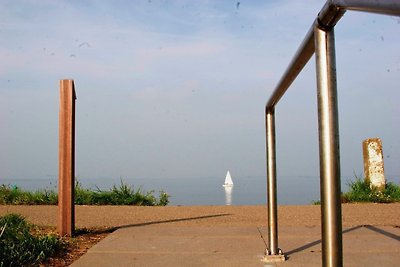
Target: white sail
(228,180)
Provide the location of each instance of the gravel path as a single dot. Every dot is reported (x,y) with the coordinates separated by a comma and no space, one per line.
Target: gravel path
(117,216)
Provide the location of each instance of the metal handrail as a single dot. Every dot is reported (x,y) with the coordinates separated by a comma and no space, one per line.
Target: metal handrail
(329,15)
(318,40)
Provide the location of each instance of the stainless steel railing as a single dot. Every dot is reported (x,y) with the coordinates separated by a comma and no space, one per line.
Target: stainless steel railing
(319,40)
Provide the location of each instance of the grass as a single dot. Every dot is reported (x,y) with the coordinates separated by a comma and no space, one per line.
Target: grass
(16,196)
(118,195)
(362,191)
(22,245)
(121,195)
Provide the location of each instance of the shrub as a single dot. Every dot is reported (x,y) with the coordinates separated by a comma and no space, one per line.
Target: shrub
(362,191)
(15,196)
(18,247)
(118,195)
(163,199)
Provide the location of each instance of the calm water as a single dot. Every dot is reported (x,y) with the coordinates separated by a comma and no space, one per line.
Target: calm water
(206,190)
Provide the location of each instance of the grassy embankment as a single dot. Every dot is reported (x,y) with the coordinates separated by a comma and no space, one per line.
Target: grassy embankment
(121,195)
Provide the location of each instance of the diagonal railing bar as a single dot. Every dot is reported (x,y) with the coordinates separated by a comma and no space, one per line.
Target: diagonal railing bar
(329,15)
(319,40)
(300,59)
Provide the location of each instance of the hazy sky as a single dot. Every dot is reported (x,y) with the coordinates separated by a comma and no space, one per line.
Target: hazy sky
(178,88)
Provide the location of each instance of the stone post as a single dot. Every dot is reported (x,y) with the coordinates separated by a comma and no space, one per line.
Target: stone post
(66,167)
(373,163)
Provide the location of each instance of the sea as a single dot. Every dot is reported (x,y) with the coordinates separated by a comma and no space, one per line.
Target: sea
(249,190)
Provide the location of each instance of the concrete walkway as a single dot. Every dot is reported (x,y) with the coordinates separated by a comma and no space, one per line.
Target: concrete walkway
(227,235)
(165,244)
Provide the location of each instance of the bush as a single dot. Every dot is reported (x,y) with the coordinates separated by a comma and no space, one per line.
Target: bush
(16,196)
(18,247)
(121,195)
(361,191)
(163,199)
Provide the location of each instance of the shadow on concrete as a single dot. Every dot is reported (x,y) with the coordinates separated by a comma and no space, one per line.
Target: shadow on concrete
(383,232)
(88,231)
(170,221)
(369,227)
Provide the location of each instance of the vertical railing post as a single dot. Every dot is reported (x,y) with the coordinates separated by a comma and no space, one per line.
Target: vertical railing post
(273,253)
(66,168)
(331,212)
(271,184)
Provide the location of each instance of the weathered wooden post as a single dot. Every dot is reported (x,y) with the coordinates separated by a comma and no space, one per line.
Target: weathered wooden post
(373,163)
(66,167)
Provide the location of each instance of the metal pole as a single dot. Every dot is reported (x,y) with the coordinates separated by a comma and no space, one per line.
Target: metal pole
(384,7)
(66,179)
(271,184)
(331,217)
(273,253)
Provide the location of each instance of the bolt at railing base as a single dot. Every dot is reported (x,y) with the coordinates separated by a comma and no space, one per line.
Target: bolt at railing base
(274,258)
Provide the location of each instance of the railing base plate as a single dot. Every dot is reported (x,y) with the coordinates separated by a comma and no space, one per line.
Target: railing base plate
(274,258)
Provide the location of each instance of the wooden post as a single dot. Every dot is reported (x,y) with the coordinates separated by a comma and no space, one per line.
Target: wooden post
(66,167)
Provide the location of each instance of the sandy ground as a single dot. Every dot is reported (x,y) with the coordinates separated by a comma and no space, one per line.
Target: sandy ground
(119,216)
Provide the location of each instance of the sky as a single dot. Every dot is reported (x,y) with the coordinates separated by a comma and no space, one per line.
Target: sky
(177,89)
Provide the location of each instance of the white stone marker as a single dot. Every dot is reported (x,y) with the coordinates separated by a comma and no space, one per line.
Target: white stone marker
(373,163)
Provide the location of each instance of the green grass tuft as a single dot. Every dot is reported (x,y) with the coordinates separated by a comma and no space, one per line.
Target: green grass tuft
(118,195)
(362,191)
(16,196)
(19,247)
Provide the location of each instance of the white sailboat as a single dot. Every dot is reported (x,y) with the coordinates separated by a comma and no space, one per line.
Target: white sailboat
(228,180)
